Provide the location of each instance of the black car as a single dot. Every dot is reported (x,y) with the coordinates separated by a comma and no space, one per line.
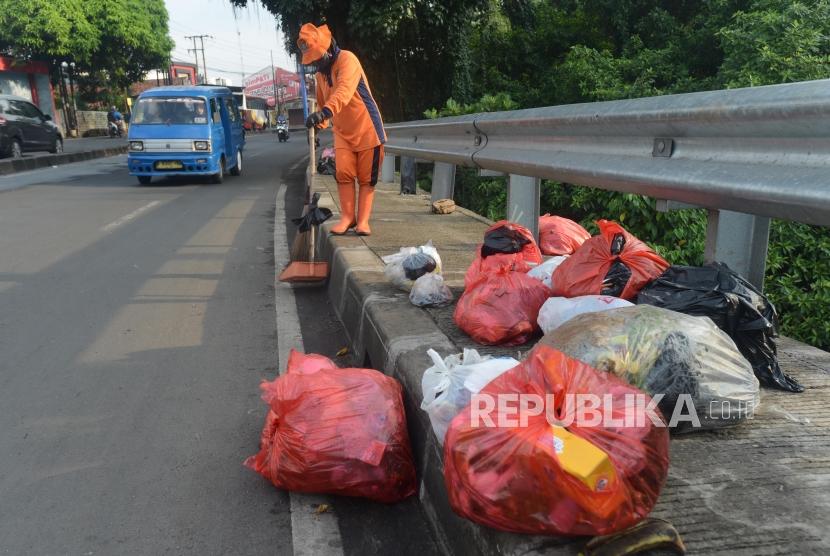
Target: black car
(24,128)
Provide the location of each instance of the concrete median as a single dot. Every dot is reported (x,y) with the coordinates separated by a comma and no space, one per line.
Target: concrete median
(9,166)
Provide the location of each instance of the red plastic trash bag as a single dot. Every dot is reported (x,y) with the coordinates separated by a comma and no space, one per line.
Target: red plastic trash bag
(509,243)
(487,266)
(560,236)
(337,431)
(589,479)
(501,307)
(612,263)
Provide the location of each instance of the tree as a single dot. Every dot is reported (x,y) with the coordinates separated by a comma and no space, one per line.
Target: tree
(46,29)
(414,53)
(112,42)
(777,41)
(133,40)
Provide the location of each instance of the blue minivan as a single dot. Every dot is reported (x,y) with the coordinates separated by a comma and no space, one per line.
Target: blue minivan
(185,131)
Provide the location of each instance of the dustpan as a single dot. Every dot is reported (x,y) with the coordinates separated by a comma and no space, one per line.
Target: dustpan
(304,266)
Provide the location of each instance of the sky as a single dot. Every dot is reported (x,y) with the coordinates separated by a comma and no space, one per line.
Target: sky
(256,27)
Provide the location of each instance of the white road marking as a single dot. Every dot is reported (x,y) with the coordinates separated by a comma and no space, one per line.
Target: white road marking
(311,534)
(127,217)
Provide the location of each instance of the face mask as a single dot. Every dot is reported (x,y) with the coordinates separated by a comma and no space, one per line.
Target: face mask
(323,63)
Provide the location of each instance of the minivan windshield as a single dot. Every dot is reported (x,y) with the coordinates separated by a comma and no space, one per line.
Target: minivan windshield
(170,110)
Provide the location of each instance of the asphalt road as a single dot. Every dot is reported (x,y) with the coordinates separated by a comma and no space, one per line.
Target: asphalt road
(136,324)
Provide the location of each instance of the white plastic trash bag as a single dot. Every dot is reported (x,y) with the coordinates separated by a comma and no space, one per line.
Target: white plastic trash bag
(558,310)
(544,271)
(430,291)
(449,385)
(410,263)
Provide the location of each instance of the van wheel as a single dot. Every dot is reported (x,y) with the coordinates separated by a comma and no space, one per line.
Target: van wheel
(219,176)
(144,180)
(237,170)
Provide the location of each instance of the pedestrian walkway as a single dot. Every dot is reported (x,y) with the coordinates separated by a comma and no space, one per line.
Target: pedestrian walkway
(741,490)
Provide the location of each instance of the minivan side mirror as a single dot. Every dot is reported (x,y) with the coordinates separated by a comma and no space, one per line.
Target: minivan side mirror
(47,117)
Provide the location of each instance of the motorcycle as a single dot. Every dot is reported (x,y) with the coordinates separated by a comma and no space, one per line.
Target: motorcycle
(115,129)
(282,132)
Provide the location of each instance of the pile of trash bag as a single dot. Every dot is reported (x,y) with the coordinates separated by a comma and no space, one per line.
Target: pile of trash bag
(335,431)
(544,271)
(430,291)
(734,305)
(612,263)
(501,307)
(558,310)
(449,384)
(410,263)
(560,236)
(543,478)
(509,243)
(326,164)
(668,353)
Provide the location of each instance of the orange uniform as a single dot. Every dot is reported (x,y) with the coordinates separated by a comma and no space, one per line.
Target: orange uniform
(344,90)
(344,97)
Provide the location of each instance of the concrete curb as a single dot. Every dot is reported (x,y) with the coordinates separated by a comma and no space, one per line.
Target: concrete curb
(387,333)
(25,164)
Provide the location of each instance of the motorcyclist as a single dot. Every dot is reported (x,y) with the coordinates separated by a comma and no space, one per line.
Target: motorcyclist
(115,119)
(345,98)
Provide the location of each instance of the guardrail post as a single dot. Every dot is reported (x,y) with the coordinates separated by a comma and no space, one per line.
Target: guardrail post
(387,169)
(523,202)
(408,185)
(739,240)
(443,181)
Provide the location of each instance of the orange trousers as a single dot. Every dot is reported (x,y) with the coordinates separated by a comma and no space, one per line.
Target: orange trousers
(363,165)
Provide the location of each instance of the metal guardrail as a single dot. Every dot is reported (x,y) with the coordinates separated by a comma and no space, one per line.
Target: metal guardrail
(744,154)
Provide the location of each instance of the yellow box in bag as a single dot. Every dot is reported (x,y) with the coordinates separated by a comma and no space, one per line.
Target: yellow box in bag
(581,459)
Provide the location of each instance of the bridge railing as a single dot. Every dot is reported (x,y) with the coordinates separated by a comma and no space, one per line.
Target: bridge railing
(744,154)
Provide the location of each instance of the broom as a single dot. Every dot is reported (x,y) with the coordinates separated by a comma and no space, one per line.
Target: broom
(304,266)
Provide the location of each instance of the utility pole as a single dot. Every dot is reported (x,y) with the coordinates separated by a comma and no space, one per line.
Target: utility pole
(274,84)
(239,40)
(196,53)
(204,64)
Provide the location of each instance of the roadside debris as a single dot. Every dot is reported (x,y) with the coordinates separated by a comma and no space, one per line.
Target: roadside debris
(410,263)
(501,307)
(510,243)
(668,353)
(612,263)
(647,536)
(544,271)
(430,291)
(336,431)
(546,479)
(560,236)
(734,305)
(558,310)
(449,384)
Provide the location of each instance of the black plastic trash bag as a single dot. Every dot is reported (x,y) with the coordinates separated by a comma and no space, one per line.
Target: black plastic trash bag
(326,165)
(314,216)
(418,264)
(505,237)
(735,306)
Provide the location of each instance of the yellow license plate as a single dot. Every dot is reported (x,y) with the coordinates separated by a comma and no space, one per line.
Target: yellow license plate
(169,165)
